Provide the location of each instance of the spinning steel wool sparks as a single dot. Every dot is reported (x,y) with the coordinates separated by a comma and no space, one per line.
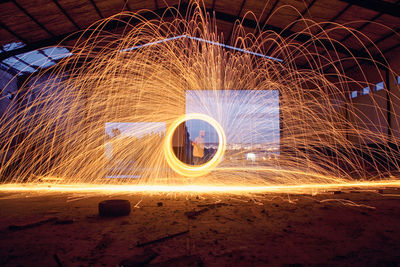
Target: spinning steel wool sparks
(126,108)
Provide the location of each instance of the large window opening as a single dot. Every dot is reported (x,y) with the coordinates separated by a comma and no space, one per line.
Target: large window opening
(250,119)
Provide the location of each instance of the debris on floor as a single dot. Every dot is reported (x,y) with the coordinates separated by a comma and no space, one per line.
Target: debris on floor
(64,221)
(114,208)
(140,244)
(31,224)
(140,258)
(212,205)
(183,261)
(318,229)
(193,214)
(57,259)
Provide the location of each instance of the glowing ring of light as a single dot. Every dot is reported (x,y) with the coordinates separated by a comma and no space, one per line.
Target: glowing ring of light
(190,170)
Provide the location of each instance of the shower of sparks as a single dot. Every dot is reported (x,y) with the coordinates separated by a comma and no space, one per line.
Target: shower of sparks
(54,133)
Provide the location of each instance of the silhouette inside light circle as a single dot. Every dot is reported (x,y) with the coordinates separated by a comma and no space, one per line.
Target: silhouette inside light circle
(195,142)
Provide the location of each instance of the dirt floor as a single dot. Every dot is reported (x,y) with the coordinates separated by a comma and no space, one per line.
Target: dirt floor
(354,228)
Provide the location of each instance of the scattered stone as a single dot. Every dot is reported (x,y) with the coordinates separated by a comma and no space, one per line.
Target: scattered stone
(182,261)
(265,212)
(140,259)
(64,221)
(105,242)
(139,244)
(16,227)
(114,208)
(213,205)
(388,191)
(51,212)
(193,214)
(214,231)
(57,259)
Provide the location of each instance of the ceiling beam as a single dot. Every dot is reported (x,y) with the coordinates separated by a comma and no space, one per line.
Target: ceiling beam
(237,17)
(126,5)
(375,43)
(213,5)
(387,36)
(377,6)
(301,37)
(97,9)
(334,19)
(391,48)
(33,18)
(75,35)
(307,9)
(20,38)
(266,18)
(246,22)
(66,14)
(382,67)
(358,29)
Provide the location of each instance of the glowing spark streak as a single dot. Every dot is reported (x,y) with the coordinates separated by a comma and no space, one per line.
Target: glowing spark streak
(58,132)
(262,169)
(137,204)
(193,188)
(347,202)
(189,170)
(204,41)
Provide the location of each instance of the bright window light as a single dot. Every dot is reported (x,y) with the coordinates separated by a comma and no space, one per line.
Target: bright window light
(365,91)
(379,86)
(57,52)
(29,62)
(12,46)
(251,156)
(353,94)
(18,65)
(35,58)
(203,41)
